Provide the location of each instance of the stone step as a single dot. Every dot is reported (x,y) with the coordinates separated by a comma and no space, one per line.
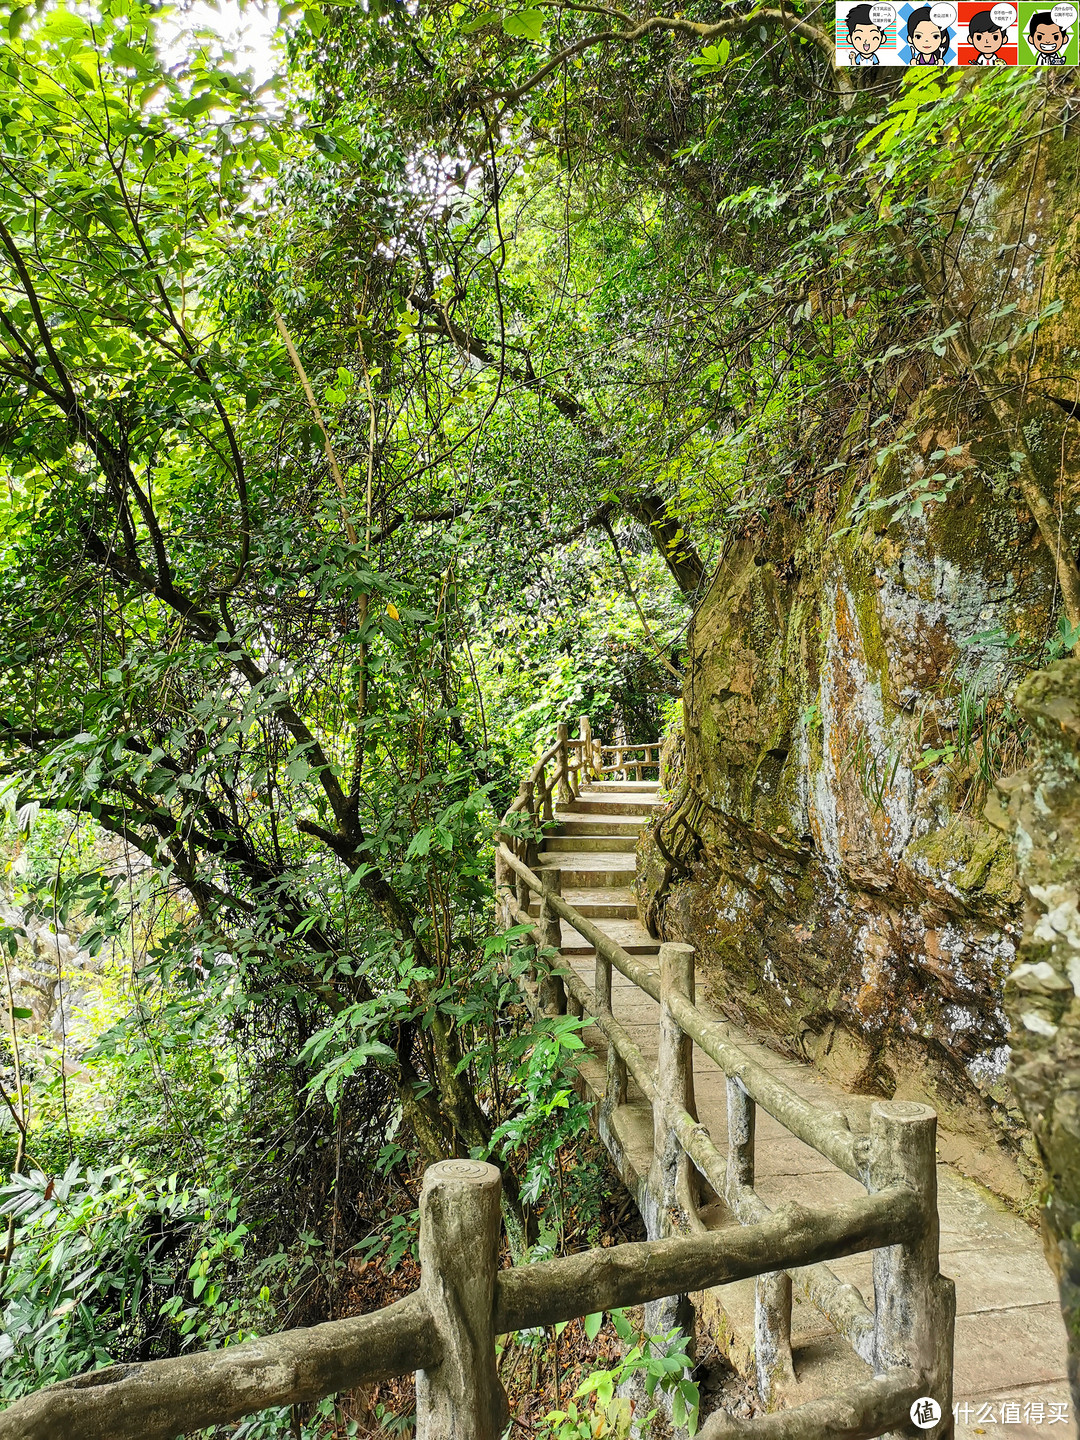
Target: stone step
(585,843)
(592,868)
(588,804)
(609,903)
(567,823)
(643,787)
(630,934)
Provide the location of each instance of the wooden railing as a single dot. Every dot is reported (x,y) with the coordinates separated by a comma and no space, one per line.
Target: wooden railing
(909,1330)
(625,758)
(571,762)
(447,1329)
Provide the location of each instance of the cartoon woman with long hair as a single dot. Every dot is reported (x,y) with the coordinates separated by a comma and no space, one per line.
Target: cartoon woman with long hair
(929,41)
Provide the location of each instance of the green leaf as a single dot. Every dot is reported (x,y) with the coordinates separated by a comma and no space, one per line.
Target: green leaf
(593,1324)
(62,25)
(199,105)
(22,1012)
(525,25)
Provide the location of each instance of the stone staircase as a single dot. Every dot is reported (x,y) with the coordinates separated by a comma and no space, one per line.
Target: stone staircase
(592,842)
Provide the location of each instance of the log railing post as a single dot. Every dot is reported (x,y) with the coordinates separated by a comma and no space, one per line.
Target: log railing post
(573,777)
(772,1335)
(741,1123)
(674,1068)
(615,1088)
(772,1293)
(546,812)
(588,760)
(460,1398)
(552,991)
(674,1091)
(527,851)
(562,773)
(504,880)
(914,1305)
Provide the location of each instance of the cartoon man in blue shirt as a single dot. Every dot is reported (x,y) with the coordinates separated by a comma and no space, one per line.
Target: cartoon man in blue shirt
(864,37)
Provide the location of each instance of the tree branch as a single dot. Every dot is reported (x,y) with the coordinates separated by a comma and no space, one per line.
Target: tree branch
(661,24)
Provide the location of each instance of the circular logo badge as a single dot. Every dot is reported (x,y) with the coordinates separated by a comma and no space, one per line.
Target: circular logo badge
(925,1413)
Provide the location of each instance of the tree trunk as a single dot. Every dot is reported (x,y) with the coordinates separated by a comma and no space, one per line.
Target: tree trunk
(673,544)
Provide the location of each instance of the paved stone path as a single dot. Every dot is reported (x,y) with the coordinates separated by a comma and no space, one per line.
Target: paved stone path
(1010,1342)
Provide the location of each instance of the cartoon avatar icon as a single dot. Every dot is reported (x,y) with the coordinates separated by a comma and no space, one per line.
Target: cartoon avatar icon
(987,38)
(1047,38)
(929,41)
(864,37)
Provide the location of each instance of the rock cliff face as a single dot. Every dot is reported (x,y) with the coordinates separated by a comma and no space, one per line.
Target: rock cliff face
(845,710)
(847,704)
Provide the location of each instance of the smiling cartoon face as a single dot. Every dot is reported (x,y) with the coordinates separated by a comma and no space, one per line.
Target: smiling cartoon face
(865,39)
(988,42)
(926,37)
(1048,38)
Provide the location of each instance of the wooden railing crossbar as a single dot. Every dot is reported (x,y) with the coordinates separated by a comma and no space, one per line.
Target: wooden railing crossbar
(625,759)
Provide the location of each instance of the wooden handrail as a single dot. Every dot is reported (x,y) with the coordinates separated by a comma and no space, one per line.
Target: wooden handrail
(860,1412)
(158,1399)
(911,1322)
(825,1132)
(838,1301)
(634,970)
(607,1024)
(551,1291)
